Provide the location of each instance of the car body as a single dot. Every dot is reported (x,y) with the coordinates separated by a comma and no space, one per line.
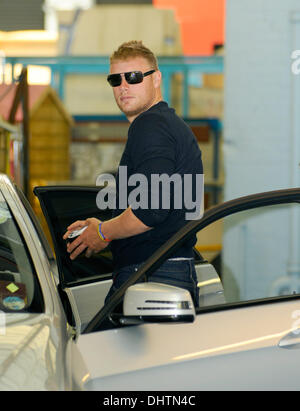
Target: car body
(53,324)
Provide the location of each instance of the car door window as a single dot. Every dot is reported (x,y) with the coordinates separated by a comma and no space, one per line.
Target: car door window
(254,267)
(61,207)
(19,288)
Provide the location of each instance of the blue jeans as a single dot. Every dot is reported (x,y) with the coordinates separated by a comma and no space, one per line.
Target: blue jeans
(173,272)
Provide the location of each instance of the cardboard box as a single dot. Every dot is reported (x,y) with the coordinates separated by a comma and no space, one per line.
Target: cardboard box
(101,29)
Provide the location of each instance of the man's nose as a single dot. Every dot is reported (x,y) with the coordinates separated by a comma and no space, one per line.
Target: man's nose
(124,83)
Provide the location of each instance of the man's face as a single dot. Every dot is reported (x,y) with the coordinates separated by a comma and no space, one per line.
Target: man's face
(133,99)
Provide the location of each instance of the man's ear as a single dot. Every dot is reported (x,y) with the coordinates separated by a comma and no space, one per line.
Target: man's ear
(157,78)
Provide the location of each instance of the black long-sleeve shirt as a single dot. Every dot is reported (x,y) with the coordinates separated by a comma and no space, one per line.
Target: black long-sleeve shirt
(159,142)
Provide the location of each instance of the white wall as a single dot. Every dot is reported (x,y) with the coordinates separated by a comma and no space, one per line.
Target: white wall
(261,129)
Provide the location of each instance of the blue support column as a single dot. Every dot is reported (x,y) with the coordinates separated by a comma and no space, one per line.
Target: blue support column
(185,93)
(61,83)
(166,86)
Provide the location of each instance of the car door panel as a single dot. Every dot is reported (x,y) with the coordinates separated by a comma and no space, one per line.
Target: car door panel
(231,349)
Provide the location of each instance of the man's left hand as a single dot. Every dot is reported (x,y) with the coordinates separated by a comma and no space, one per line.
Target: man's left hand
(89,240)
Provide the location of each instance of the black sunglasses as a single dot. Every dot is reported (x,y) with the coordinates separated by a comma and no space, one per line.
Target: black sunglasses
(132,77)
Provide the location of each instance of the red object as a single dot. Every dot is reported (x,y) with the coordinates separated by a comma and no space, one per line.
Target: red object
(201,23)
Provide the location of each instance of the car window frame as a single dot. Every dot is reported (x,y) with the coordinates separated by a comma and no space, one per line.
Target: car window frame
(36,224)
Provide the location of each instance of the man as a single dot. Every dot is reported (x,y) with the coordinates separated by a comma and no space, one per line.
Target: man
(159,143)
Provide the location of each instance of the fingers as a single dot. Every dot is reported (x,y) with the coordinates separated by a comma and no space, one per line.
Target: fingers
(89,253)
(77,251)
(89,240)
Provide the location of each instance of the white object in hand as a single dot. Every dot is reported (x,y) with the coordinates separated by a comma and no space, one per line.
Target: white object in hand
(76,233)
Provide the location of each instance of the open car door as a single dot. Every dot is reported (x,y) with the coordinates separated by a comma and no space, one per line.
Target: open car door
(84,281)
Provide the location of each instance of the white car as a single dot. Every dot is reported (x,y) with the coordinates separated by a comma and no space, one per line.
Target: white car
(53,325)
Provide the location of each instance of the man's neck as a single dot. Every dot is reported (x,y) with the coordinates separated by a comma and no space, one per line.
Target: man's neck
(131,118)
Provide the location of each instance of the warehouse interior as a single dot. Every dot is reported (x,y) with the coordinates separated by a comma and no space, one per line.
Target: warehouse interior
(229,69)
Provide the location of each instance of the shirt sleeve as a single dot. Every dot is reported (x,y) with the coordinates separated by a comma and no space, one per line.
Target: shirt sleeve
(153,153)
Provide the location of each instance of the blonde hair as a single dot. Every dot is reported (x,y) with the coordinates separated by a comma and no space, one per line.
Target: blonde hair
(133,49)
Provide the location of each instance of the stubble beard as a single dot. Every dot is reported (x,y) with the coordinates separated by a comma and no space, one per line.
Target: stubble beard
(135,111)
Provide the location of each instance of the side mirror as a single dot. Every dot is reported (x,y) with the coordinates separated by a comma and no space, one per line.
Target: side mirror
(156,303)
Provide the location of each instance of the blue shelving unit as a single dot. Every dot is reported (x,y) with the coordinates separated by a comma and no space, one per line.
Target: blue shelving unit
(62,66)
